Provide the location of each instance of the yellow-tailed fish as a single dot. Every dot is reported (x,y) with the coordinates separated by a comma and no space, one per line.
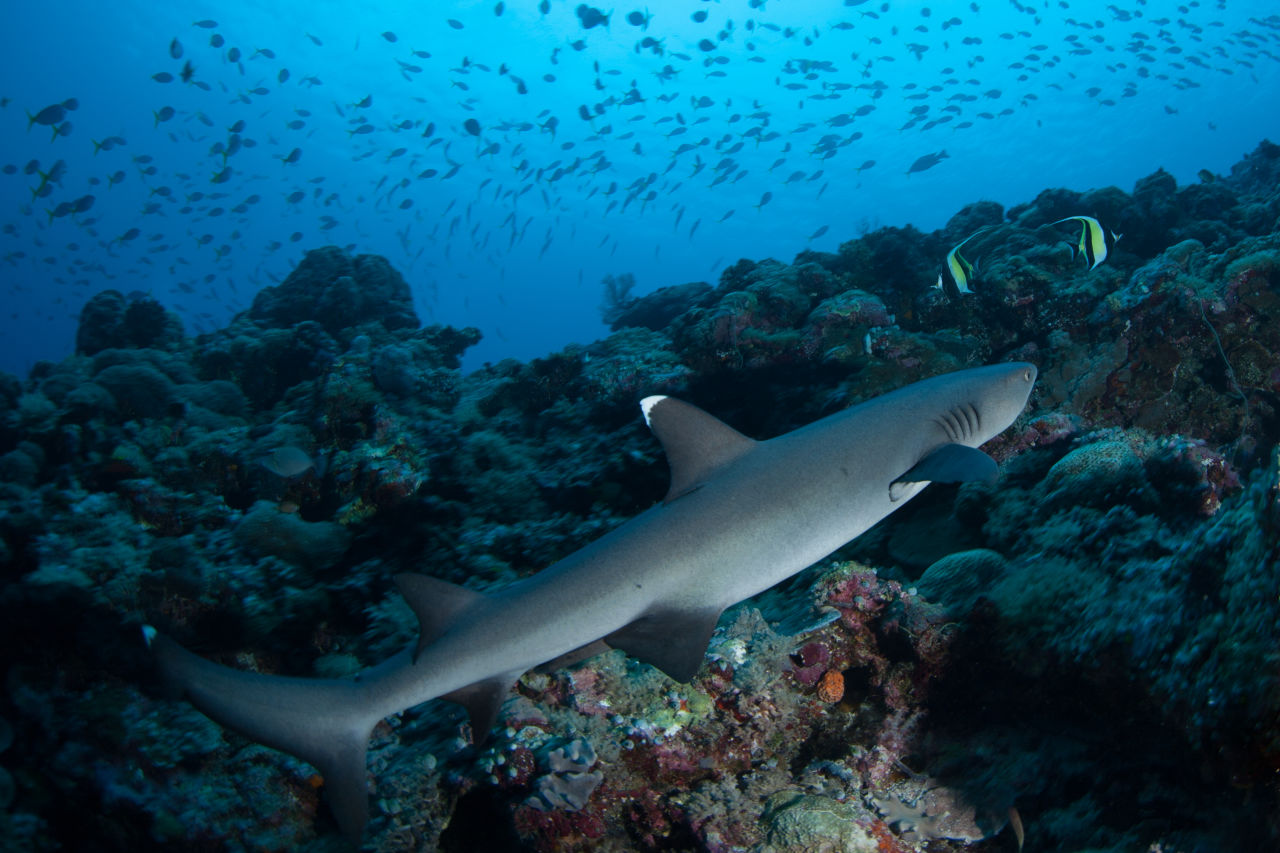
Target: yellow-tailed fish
(960,270)
(1093,239)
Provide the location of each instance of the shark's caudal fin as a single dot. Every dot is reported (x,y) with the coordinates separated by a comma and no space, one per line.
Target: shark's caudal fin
(325,722)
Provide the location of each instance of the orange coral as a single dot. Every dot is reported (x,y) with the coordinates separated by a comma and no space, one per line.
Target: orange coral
(831,686)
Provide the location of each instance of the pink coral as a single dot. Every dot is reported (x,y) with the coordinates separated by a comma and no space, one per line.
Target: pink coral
(810,663)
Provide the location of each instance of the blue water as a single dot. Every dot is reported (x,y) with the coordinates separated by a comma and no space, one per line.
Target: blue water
(508,227)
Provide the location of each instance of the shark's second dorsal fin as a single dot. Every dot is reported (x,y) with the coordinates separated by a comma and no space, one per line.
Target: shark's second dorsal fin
(436,603)
(696,444)
(674,641)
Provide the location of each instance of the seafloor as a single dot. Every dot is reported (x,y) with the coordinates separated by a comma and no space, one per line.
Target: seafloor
(1088,650)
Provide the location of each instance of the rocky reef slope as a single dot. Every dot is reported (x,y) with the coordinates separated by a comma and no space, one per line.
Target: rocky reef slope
(1085,652)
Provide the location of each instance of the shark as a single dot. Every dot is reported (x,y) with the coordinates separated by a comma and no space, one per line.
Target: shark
(740,516)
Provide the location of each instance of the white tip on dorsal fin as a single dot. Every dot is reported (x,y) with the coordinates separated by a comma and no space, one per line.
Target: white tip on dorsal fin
(646,406)
(697,444)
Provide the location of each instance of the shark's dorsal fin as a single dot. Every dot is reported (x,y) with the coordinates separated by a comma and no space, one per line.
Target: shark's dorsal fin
(952,463)
(483,700)
(696,444)
(436,603)
(675,641)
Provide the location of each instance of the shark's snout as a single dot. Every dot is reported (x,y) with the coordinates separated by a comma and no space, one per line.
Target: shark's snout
(1027,379)
(1017,390)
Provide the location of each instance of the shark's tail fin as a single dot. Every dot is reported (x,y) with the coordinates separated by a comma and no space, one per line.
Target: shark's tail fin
(325,722)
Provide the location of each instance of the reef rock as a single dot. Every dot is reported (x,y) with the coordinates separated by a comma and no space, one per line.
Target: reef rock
(266,530)
(340,293)
(111,320)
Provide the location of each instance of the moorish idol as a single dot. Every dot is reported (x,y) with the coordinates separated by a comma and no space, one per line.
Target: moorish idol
(958,269)
(1093,239)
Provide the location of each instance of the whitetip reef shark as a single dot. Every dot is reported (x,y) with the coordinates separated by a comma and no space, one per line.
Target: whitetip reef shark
(740,516)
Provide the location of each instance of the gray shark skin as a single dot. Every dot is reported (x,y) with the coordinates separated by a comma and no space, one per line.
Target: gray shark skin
(741,516)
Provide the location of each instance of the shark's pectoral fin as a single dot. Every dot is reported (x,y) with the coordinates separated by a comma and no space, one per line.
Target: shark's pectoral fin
(952,463)
(675,641)
(483,700)
(697,444)
(436,603)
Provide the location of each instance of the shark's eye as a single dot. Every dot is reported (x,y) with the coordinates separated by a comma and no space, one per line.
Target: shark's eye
(1026,374)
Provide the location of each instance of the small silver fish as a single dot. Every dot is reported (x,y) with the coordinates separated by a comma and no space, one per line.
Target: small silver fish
(288,462)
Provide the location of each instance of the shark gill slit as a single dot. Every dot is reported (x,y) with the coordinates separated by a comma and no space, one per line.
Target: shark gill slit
(960,423)
(951,425)
(972,419)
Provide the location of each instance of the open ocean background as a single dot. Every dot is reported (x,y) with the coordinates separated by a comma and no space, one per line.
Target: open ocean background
(518,152)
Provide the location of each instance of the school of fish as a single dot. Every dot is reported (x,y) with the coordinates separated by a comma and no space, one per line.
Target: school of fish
(627,117)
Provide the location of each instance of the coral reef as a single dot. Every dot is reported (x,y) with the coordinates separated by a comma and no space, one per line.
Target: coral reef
(110,320)
(339,292)
(1086,650)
